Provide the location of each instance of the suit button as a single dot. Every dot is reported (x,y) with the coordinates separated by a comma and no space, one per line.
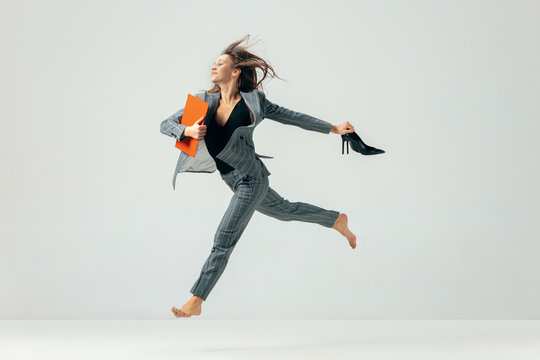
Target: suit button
(241,137)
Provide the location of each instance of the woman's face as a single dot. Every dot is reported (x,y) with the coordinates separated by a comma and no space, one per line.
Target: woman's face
(223,71)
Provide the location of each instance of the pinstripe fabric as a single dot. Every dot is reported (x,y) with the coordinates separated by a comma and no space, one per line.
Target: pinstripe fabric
(240,150)
(250,194)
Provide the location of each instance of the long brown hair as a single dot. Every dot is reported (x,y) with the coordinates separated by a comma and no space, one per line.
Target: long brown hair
(248,63)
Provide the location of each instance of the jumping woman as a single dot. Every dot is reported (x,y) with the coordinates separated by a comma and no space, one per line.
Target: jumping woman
(236,107)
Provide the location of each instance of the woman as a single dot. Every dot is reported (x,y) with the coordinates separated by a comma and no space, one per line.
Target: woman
(236,107)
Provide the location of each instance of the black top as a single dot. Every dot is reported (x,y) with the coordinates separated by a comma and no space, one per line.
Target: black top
(217,136)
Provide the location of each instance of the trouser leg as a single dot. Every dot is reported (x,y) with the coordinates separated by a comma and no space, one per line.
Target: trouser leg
(248,193)
(276,206)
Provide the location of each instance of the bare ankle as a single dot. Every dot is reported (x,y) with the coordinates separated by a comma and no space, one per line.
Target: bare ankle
(337,221)
(197,299)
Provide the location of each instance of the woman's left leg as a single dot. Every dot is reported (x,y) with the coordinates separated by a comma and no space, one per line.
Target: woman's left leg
(276,206)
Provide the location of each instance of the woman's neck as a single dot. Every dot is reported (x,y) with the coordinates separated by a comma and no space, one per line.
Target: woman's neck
(229,96)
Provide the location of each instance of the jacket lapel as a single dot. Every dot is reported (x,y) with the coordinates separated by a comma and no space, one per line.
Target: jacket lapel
(250,98)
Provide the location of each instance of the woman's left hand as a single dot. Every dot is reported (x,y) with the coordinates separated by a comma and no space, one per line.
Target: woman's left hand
(342,129)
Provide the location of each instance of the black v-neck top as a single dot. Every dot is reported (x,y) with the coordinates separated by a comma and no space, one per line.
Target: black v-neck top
(217,136)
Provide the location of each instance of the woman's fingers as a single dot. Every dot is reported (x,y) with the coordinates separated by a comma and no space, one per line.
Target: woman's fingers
(200,130)
(346,128)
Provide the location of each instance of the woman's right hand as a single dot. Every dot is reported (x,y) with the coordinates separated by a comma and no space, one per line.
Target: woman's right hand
(197,130)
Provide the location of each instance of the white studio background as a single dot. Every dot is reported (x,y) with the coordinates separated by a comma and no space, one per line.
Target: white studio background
(446,219)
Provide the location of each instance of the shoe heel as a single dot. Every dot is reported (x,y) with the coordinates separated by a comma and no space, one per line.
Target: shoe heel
(343,141)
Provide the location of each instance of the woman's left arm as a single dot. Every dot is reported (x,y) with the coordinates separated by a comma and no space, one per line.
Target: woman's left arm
(286,116)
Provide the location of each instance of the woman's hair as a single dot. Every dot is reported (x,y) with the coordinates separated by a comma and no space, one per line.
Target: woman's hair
(248,63)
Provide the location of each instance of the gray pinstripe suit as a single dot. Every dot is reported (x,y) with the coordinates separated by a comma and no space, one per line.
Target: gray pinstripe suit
(249,181)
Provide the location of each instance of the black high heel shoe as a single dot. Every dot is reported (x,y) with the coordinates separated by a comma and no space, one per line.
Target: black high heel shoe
(358,145)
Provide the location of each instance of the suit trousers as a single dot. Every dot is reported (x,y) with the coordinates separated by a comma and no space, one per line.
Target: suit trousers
(251,194)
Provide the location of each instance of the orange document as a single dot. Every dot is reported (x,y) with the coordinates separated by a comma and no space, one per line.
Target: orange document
(194,109)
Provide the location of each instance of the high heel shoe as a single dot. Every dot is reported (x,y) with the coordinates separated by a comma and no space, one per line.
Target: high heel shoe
(358,145)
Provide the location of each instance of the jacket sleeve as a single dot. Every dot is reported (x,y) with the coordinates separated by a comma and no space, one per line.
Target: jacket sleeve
(171,126)
(289,117)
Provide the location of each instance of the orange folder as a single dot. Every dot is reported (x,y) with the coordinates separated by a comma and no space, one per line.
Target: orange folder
(194,109)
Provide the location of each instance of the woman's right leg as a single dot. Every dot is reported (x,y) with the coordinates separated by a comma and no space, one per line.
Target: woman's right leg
(248,193)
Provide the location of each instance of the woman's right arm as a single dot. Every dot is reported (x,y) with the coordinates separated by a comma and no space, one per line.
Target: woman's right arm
(171,126)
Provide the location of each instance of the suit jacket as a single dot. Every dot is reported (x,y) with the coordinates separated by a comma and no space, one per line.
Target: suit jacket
(239,152)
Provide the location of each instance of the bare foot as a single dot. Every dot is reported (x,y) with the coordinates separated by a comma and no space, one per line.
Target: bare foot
(192,307)
(341,226)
